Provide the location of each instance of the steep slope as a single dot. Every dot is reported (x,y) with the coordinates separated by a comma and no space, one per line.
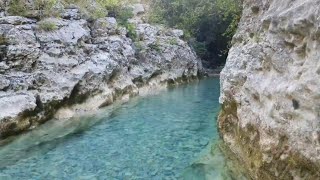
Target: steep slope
(270,90)
(47,67)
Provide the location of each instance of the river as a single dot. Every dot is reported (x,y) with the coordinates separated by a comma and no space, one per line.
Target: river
(152,137)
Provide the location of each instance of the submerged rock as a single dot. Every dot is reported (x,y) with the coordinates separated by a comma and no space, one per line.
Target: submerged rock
(57,63)
(270,90)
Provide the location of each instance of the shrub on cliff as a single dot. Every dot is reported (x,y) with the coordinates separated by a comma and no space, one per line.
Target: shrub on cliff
(47,25)
(112,8)
(40,8)
(208,24)
(91,8)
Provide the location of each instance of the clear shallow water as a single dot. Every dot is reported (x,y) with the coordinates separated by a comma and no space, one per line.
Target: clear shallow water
(155,137)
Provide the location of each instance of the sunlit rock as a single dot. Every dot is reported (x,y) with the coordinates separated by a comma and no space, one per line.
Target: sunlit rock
(64,63)
(270,90)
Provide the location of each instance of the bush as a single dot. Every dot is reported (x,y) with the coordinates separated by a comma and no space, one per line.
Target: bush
(117,9)
(97,13)
(123,14)
(47,25)
(131,31)
(17,8)
(173,41)
(43,8)
(199,47)
(155,46)
(109,4)
(46,8)
(89,10)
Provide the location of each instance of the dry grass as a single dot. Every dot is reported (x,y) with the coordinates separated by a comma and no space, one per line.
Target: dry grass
(47,25)
(3,40)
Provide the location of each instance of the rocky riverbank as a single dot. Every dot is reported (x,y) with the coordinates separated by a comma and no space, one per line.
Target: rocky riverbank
(82,64)
(270,90)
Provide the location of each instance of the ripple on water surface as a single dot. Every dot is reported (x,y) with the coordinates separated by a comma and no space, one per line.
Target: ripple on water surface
(155,137)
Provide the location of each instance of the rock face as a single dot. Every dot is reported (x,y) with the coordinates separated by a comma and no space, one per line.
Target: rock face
(79,61)
(270,90)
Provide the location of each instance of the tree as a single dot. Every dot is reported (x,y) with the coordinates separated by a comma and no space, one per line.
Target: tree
(208,24)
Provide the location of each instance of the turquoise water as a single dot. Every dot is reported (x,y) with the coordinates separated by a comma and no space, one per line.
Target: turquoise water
(154,137)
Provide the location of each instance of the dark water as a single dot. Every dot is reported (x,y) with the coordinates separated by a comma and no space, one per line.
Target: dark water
(154,137)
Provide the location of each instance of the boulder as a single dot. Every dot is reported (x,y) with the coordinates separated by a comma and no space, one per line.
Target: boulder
(104,27)
(176,32)
(138,9)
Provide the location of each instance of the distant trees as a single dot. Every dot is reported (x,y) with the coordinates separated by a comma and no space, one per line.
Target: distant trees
(208,24)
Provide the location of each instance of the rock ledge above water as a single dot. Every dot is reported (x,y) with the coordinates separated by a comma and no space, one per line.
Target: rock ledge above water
(270,90)
(82,62)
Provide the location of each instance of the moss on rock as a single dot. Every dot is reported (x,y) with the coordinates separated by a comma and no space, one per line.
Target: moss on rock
(279,162)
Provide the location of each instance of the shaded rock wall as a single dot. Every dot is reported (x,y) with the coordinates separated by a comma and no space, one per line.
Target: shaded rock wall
(44,74)
(270,90)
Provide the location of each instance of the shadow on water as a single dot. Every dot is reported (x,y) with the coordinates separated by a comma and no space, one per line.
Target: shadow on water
(212,164)
(51,134)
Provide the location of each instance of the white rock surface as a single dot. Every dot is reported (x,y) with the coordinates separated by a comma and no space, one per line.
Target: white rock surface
(270,90)
(44,71)
(138,9)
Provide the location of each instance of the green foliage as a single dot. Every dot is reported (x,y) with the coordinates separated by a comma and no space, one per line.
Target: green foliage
(88,9)
(47,25)
(123,14)
(47,8)
(173,41)
(131,31)
(157,15)
(155,46)
(199,47)
(42,8)
(208,24)
(230,10)
(189,14)
(17,8)
(118,9)
(109,4)
(98,13)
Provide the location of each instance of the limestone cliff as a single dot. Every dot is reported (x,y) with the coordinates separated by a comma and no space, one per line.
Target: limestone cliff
(48,66)
(270,90)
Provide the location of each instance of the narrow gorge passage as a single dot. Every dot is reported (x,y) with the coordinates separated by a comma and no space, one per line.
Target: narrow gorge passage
(154,137)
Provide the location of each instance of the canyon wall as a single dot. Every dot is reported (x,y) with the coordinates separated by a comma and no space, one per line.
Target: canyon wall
(270,90)
(50,66)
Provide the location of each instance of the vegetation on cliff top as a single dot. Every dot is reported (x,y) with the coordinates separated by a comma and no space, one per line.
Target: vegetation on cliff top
(208,24)
(91,8)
